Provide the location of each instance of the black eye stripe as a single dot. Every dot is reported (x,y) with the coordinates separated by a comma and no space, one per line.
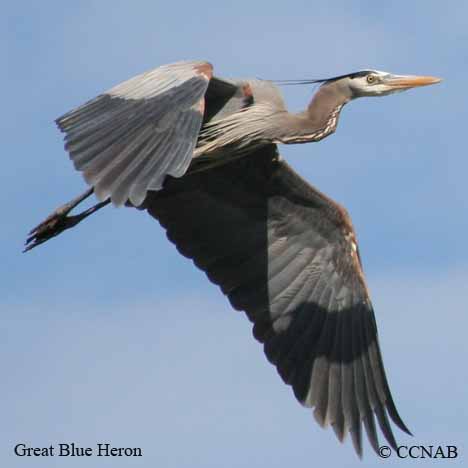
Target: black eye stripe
(358,74)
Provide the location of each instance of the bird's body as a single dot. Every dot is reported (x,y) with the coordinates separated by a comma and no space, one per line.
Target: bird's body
(199,154)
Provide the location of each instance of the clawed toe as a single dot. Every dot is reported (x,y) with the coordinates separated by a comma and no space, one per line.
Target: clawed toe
(53,225)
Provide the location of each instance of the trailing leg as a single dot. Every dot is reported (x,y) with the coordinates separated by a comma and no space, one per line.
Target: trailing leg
(59,221)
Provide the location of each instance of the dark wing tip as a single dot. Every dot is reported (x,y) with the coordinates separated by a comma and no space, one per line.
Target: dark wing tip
(356,437)
(395,416)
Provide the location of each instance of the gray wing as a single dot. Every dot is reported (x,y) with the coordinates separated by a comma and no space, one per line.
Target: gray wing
(286,255)
(128,139)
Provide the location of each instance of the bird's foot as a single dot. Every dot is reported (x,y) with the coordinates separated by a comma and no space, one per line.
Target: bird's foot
(59,221)
(52,226)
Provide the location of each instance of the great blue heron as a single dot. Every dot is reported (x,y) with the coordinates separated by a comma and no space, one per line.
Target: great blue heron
(199,154)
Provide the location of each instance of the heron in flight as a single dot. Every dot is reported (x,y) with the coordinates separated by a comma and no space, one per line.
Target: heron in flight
(200,155)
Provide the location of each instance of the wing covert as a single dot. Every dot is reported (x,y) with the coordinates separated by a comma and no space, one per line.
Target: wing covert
(286,255)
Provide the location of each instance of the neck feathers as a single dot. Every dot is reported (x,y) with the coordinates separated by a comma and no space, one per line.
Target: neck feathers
(329,124)
(321,117)
(324,108)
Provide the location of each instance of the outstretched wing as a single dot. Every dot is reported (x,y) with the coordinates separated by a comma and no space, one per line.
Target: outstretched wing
(286,255)
(126,140)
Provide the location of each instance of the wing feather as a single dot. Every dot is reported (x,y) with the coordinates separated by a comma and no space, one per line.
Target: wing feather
(109,138)
(284,253)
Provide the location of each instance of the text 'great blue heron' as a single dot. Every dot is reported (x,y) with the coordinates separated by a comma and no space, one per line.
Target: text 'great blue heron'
(200,154)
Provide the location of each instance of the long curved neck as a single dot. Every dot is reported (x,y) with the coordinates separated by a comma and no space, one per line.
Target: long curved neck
(321,117)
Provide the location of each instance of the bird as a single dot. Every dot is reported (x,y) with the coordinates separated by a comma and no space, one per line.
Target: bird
(200,154)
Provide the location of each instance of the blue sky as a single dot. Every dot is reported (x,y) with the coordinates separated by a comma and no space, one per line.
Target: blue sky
(108,335)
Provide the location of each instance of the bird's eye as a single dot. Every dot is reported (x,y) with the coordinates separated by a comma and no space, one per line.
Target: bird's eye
(370,79)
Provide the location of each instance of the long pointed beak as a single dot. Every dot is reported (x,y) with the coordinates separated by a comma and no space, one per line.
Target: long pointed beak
(409,81)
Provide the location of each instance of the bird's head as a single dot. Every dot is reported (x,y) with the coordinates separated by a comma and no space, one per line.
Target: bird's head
(378,83)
